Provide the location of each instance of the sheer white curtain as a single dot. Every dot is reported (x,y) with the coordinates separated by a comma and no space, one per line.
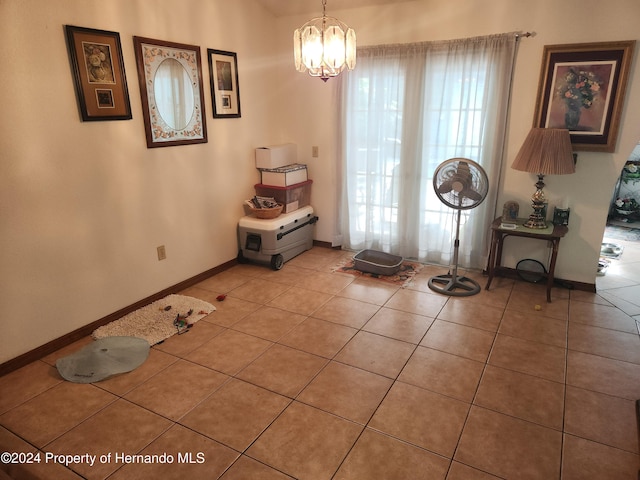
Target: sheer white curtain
(405,109)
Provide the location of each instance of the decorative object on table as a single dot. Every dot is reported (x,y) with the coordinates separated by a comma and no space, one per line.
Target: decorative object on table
(103,359)
(98,72)
(225,89)
(324,46)
(510,212)
(543,211)
(582,88)
(155,322)
(561,216)
(171,90)
(545,151)
(461,184)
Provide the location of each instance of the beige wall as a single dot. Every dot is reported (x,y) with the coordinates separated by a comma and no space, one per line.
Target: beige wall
(589,190)
(85,204)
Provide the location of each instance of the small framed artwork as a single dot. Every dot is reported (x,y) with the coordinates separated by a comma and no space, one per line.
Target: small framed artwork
(98,73)
(225,92)
(582,88)
(171,90)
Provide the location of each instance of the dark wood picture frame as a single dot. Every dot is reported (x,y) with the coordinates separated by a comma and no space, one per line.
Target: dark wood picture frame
(582,88)
(225,90)
(98,73)
(171,117)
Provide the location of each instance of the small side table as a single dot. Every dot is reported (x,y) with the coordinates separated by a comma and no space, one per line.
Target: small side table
(553,234)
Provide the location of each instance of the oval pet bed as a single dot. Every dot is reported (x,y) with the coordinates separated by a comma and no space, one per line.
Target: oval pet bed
(103,358)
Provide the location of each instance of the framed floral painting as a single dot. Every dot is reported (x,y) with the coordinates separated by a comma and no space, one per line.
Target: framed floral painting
(582,88)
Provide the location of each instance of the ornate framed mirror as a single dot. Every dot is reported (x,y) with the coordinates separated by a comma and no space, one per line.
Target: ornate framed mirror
(170,80)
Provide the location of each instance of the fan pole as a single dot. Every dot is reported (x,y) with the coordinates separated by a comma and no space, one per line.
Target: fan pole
(456,246)
(452,284)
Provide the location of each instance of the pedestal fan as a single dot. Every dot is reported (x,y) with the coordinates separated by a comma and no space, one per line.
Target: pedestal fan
(460,184)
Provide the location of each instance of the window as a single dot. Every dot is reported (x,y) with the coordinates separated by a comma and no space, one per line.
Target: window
(406,109)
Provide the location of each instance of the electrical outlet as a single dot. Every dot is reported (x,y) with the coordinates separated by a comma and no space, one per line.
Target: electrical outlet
(162,252)
(314,151)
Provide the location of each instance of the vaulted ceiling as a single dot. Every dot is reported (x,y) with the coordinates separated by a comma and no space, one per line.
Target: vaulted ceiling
(282,8)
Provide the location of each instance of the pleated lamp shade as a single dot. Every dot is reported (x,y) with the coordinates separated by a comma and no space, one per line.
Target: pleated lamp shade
(546,151)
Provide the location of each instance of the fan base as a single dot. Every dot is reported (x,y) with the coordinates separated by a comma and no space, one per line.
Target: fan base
(449,285)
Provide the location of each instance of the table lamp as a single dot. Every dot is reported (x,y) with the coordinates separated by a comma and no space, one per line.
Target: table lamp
(545,151)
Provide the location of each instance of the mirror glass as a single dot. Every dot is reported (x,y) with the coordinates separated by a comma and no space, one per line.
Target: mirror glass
(174,94)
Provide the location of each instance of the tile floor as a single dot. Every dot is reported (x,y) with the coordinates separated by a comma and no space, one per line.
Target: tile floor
(309,374)
(621,283)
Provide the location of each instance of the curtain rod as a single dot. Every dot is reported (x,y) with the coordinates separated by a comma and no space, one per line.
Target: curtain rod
(525,34)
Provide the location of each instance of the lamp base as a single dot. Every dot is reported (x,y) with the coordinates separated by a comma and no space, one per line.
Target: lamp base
(535,221)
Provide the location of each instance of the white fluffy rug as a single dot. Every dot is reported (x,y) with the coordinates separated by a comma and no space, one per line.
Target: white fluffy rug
(152,322)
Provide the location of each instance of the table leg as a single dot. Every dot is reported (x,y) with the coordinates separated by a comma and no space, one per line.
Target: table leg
(552,268)
(492,258)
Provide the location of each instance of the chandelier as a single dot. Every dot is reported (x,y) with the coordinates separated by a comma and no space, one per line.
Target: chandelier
(324,46)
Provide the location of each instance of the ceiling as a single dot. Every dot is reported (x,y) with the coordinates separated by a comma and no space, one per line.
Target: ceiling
(283,8)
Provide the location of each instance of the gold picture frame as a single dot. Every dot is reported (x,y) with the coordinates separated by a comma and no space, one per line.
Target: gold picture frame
(582,88)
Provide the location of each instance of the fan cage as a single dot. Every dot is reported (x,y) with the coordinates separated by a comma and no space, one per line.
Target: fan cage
(450,171)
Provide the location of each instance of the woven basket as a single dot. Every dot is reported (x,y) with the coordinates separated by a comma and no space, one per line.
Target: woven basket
(266,213)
